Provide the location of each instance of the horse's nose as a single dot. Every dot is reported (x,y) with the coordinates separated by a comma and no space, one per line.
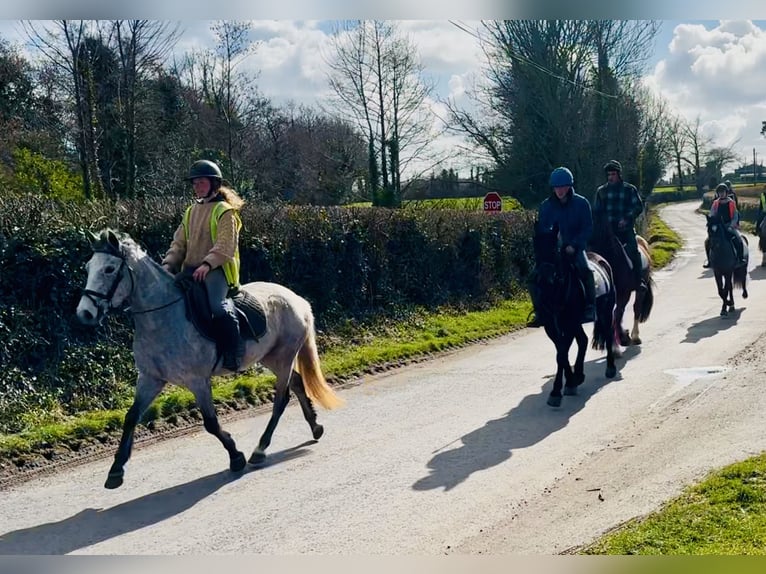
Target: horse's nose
(86,317)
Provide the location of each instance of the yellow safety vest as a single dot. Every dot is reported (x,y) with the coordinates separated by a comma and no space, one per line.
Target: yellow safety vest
(230,268)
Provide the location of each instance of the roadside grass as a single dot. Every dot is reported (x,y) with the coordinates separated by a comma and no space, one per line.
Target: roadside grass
(664,241)
(723,514)
(349,351)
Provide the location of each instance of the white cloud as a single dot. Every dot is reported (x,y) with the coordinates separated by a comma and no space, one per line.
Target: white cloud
(716,73)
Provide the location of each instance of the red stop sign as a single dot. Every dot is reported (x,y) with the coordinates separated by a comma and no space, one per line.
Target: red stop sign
(493,202)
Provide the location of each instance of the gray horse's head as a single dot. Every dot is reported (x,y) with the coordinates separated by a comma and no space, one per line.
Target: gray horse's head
(106,287)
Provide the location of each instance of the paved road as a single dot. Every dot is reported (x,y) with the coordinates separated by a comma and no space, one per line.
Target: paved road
(460,455)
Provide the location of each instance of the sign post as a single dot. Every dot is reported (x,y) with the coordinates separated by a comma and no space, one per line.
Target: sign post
(493,203)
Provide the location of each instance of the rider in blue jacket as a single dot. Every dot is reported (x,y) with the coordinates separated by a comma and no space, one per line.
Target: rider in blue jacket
(572,213)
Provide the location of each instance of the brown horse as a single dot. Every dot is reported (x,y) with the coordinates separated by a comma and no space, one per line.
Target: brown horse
(607,244)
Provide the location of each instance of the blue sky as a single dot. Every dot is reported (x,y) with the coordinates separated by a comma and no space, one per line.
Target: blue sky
(713,71)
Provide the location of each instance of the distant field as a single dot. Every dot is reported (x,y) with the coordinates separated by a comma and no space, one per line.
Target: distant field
(472,203)
(742,190)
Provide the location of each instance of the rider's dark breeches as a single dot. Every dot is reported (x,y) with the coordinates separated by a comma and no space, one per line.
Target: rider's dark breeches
(217,291)
(628,238)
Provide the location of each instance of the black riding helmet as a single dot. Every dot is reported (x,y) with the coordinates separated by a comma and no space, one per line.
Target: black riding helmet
(722,190)
(613,165)
(205,168)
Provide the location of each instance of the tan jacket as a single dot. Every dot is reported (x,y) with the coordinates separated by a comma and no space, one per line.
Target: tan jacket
(200,247)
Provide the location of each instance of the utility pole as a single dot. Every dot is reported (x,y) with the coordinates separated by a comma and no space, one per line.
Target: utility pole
(754,172)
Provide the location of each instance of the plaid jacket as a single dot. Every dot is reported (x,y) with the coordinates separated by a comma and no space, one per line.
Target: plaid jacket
(615,202)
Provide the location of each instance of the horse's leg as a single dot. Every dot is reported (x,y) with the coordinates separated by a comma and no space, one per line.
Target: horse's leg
(204,397)
(720,282)
(730,290)
(554,399)
(309,413)
(635,337)
(578,377)
(281,364)
(619,313)
(147,389)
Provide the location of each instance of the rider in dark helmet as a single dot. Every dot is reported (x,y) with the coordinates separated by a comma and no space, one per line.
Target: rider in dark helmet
(618,204)
(571,213)
(206,243)
(726,210)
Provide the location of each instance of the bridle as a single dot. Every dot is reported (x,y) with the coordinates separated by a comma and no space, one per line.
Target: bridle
(95,296)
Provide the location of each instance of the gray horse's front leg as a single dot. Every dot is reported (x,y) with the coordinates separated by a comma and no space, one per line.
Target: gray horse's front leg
(204,397)
(147,389)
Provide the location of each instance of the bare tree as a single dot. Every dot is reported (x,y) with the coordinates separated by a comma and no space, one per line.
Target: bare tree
(377,77)
(698,145)
(678,140)
(143,45)
(234,45)
(557,92)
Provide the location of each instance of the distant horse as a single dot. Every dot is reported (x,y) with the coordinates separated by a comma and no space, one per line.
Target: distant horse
(723,260)
(761,232)
(168,348)
(559,301)
(606,243)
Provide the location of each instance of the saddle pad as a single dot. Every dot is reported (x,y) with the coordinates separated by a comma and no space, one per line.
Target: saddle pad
(600,278)
(251,314)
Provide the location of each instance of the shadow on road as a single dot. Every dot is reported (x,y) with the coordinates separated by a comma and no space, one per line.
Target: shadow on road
(92,525)
(712,326)
(757,273)
(531,421)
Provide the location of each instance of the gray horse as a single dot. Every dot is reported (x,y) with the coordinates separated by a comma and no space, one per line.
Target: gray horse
(168,348)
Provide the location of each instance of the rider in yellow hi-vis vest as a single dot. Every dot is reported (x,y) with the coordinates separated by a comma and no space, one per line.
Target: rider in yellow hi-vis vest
(230,268)
(207,243)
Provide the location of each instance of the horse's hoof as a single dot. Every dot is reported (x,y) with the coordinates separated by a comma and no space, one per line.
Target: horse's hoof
(611,372)
(317,432)
(257,457)
(635,341)
(744,294)
(554,401)
(238,462)
(569,391)
(723,312)
(113,481)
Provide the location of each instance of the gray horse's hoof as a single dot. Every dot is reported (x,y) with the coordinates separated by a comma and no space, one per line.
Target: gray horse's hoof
(238,462)
(635,341)
(554,401)
(113,481)
(257,457)
(570,391)
(611,372)
(317,432)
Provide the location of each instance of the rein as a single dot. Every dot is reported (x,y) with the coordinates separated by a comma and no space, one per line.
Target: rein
(94,295)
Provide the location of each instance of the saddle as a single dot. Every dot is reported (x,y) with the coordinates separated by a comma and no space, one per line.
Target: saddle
(250,314)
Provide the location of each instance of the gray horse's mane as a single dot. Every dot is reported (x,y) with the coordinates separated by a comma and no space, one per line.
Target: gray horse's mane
(118,242)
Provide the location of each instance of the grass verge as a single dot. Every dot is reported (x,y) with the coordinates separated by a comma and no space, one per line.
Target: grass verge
(723,514)
(348,352)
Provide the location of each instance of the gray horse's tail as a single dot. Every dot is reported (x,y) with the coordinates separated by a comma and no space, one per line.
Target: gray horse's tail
(311,372)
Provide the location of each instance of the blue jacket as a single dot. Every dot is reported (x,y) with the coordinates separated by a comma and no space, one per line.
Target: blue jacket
(574,218)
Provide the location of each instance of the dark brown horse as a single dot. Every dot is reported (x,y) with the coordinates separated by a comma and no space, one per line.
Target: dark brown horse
(606,243)
(723,260)
(559,302)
